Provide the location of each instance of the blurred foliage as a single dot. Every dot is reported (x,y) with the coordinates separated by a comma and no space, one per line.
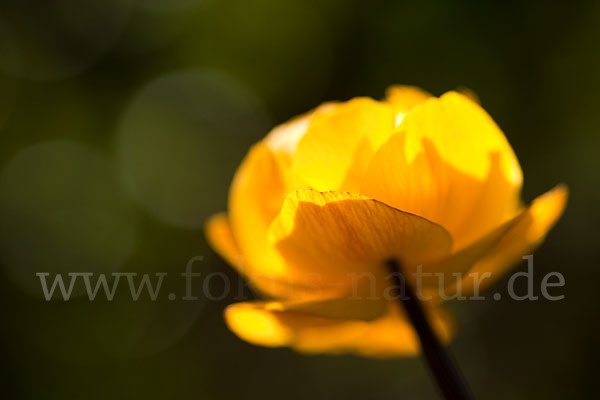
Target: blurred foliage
(123,121)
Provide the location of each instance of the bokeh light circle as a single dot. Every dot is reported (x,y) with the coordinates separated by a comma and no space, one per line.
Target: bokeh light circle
(180,141)
(62,210)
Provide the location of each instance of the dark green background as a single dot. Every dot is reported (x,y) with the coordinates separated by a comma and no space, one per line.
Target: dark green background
(122,123)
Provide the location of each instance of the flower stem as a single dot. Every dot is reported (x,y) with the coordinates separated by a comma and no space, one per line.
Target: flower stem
(449,379)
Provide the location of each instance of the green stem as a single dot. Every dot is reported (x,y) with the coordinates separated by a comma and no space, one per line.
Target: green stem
(444,369)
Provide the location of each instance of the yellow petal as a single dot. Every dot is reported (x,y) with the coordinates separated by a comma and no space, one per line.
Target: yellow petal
(331,238)
(451,164)
(358,307)
(220,237)
(218,233)
(463,133)
(521,239)
(256,196)
(446,270)
(394,336)
(404,97)
(284,138)
(271,324)
(254,324)
(326,152)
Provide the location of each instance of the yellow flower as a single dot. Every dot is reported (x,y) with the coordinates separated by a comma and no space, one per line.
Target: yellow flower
(320,204)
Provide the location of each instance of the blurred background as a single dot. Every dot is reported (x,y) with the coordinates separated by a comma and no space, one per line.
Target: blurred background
(123,121)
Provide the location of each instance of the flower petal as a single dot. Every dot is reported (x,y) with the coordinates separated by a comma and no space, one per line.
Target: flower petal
(356,304)
(459,262)
(256,196)
(271,324)
(404,97)
(451,164)
(357,307)
(284,138)
(326,153)
(463,133)
(218,233)
(220,237)
(330,238)
(521,239)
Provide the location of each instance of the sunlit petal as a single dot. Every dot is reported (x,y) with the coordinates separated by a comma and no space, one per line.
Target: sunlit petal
(521,239)
(326,237)
(270,324)
(326,152)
